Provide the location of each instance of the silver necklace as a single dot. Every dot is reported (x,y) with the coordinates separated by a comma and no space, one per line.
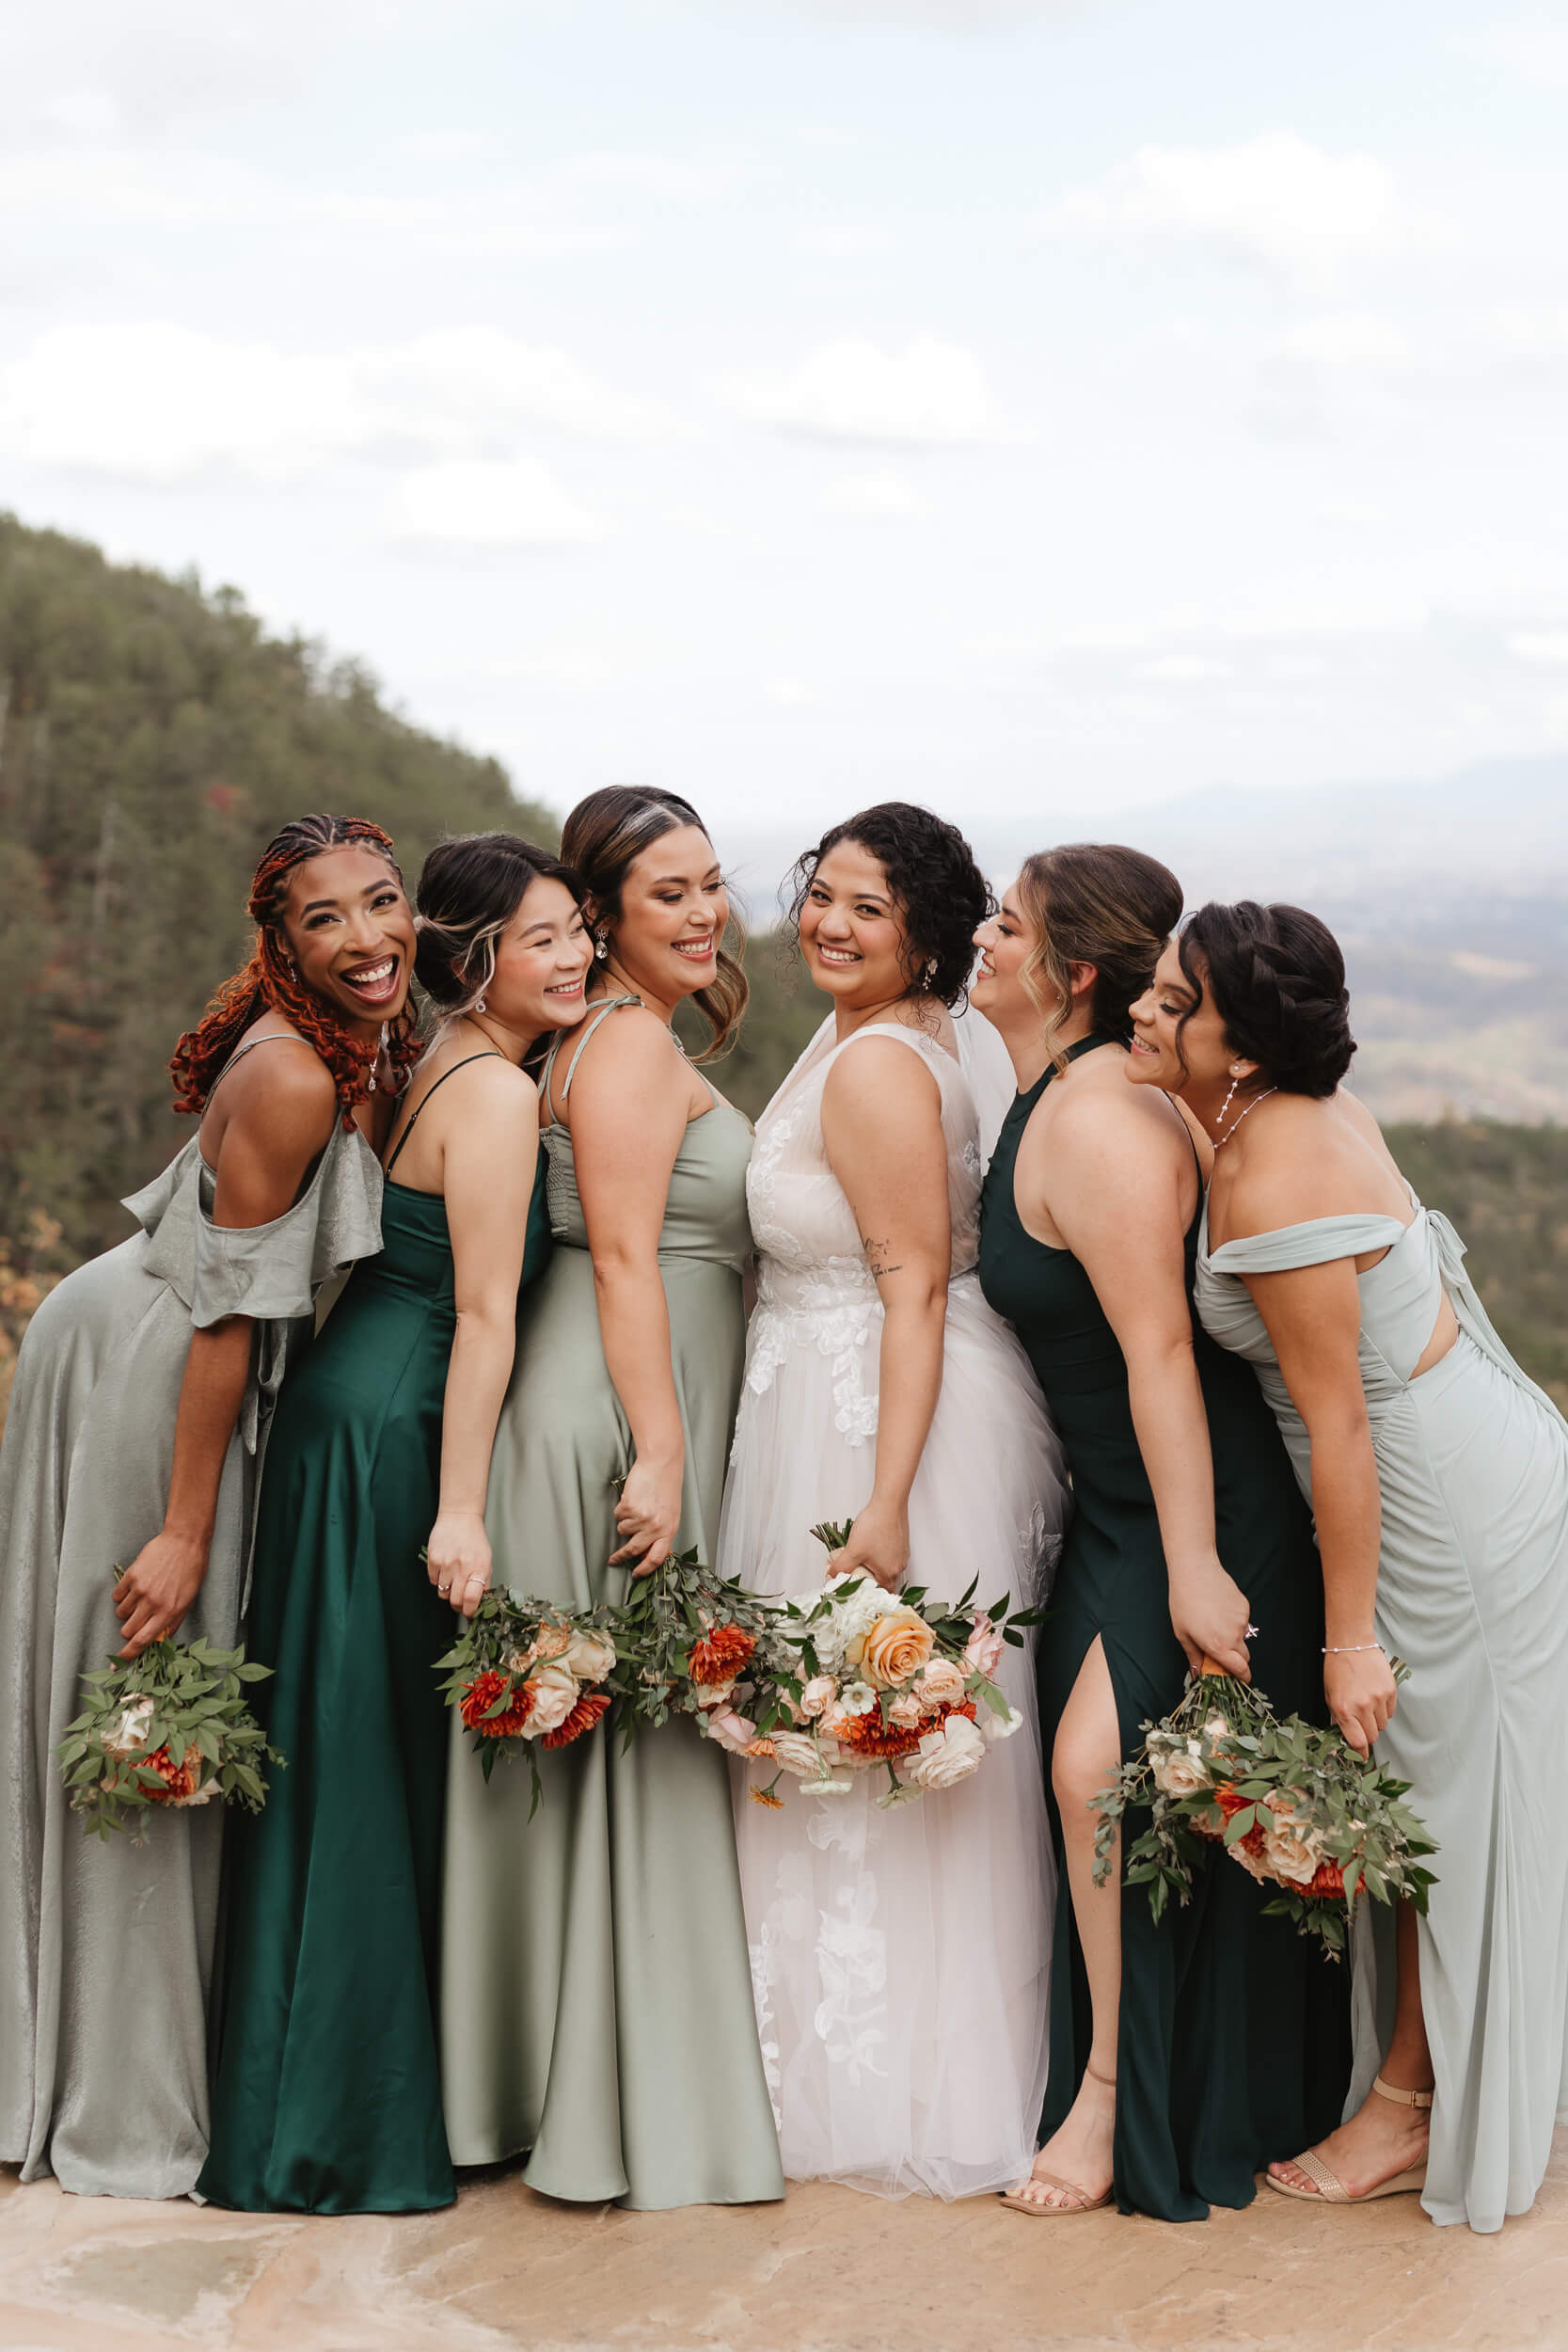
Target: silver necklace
(1242,1114)
(370,1083)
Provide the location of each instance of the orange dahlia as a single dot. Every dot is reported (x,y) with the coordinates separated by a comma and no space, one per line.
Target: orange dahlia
(180,1780)
(1328,1879)
(584,1715)
(480,1695)
(721,1654)
(868,1735)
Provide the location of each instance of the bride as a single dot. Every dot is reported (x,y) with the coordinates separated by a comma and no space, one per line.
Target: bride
(900,1957)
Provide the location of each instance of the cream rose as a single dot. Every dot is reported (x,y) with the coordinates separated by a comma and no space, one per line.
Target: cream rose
(983,1649)
(1177,1775)
(946,1756)
(734,1733)
(907,1710)
(125,1737)
(896,1647)
(797,1755)
(941,1684)
(591,1656)
(553,1689)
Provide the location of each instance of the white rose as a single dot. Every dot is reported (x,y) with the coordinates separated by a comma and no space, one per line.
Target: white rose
(125,1737)
(1002,1726)
(203,1795)
(946,1756)
(591,1656)
(553,1690)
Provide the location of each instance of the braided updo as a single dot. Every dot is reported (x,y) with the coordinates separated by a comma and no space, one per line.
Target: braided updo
(1276,978)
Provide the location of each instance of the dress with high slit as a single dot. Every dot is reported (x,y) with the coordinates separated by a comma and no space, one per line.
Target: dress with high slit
(1472,1593)
(595,1996)
(1234,2041)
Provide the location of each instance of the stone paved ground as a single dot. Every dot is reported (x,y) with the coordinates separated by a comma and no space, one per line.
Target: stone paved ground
(827,2271)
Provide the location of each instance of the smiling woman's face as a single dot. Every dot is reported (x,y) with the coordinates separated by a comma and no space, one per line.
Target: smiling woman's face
(851,930)
(1178,1038)
(350,932)
(1006,941)
(674,910)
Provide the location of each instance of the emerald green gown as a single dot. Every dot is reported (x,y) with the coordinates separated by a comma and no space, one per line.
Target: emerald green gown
(327,2093)
(1234,2040)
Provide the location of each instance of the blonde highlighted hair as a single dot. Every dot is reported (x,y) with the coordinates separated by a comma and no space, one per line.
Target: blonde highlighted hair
(1095,902)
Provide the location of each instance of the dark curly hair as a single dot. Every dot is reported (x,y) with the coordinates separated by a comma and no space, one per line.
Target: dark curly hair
(269,982)
(1276,978)
(940,891)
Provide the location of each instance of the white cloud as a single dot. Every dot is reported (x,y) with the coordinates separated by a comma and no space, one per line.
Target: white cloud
(1346,338)
(932,395)
(1275,199)
(162,402)
(882,497)
(861,243)
(1182,669)
(1545,645)
(514,502)
(1532,47)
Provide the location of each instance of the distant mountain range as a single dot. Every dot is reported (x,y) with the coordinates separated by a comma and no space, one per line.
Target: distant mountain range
(1449,897)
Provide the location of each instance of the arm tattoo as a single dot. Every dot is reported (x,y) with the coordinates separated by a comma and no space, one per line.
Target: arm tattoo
(877,1257)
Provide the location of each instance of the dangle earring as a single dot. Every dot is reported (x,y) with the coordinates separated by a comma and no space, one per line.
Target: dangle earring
(1235,1082)
(479,1004)
(601,950)
(371,1081)
(930,970)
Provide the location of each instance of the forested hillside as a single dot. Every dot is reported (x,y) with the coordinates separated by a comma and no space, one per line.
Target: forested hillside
(153,736)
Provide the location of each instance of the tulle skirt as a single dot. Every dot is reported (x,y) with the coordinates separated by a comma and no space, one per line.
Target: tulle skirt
(900,1958)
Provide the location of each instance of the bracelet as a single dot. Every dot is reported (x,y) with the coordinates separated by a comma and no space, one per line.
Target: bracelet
(1349,1650)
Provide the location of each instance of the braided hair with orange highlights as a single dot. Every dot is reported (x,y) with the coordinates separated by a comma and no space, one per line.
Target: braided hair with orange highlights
(268,982)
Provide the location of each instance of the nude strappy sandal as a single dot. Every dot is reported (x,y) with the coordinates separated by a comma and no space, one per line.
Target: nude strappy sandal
(1331,2190)
(1036,2211)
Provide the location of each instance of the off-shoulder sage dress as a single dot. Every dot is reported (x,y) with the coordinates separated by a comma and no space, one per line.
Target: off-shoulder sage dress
(596,1990)
(1472,1593)
(106,1949)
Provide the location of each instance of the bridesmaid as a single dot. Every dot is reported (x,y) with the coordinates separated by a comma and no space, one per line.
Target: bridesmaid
(141,1406)
(595,1992)
(327,2096)
(1183,2057)
(1439,1476)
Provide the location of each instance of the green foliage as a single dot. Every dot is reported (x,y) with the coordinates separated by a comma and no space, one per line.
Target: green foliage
(180,1703)
(152,738)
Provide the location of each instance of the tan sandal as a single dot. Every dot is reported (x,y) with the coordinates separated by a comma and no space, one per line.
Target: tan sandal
(1331,2190)
(1031,2206)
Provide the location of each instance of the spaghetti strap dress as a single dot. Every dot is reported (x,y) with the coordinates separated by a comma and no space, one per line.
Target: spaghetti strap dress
(596,1993)
(1472,1593)
(1234,2038)
(106,1949)
(327,2094)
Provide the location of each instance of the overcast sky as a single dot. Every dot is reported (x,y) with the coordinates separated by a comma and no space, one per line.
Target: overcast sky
(1008,405)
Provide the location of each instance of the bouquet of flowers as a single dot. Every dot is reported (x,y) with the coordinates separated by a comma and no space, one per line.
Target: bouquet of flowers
(1291,1802)
(697,1643)
(170,1727)
(524,1672)
(856,1678)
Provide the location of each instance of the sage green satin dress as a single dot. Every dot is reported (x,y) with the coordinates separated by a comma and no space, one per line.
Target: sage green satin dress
(327,2096)
(1234,2038)
(106,1949)
(595,1988)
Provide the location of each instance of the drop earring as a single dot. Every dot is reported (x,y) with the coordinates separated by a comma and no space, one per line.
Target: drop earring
(479,1004)
(1235,1082)
(601,950)
(930,970)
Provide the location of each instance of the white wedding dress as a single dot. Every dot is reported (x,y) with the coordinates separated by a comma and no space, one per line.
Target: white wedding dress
(899,1958)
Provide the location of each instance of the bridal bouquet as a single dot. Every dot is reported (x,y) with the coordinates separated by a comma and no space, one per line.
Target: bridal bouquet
(1291,1802)
(170,1727)
(524,1674)
(856,1678)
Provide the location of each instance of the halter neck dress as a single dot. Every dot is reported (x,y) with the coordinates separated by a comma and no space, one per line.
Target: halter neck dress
(1234,2045)
(106,1947)
(327,2092)
(596,1993)
(1472,1593)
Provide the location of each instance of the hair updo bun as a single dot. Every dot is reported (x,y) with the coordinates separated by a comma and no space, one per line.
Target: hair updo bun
(468,891)
(1276,978)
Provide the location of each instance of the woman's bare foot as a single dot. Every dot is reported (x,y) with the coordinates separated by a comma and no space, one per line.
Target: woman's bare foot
(1380,2140)
(1079,2153)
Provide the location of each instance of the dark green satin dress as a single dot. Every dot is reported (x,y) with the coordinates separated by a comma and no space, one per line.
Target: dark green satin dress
(1234,2045)
(327,2093)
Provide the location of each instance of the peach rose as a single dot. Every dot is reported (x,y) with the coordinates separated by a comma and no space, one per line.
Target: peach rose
(1177,1774)
(820,1693)
(591,1656)
(797,1755)
(907,1710)
(941,1683)
(734,1733)
(896,1647)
